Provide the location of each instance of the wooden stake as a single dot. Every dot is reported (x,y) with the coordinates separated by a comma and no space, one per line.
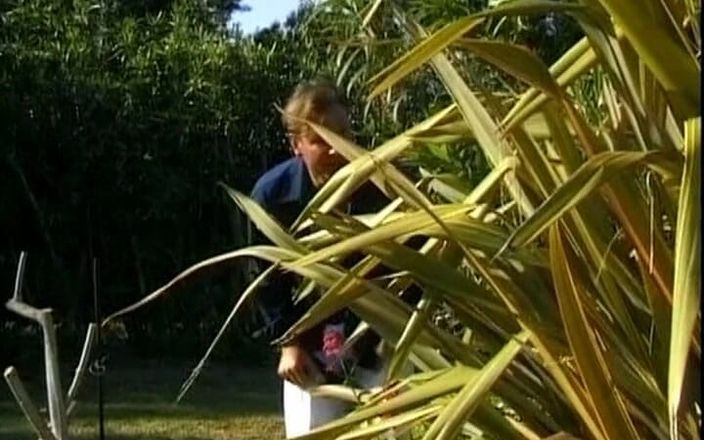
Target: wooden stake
(25,402)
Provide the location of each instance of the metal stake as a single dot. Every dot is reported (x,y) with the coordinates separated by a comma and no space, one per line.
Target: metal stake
(99,369)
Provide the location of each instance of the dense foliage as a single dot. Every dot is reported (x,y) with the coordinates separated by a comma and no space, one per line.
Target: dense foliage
(119,119)
(118,123)
(561,292)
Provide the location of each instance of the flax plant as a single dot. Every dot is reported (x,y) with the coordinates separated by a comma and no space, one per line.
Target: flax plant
(573,268)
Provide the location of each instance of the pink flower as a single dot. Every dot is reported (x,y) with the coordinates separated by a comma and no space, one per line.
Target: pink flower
(333,341)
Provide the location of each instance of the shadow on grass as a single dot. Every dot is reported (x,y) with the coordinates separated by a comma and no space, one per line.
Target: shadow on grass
(224,403)
(23,435)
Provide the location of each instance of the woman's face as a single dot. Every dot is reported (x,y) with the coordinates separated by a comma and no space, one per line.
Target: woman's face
(320,159)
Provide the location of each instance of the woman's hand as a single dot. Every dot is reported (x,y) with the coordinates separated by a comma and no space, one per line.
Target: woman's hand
(297,367)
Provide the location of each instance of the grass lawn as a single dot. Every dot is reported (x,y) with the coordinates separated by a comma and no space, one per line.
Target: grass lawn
(226,402)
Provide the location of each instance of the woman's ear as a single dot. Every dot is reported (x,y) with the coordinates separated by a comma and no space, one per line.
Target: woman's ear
(293,145)
(294,150)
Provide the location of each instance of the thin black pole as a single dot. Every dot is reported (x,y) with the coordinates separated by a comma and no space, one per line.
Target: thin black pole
(99,375)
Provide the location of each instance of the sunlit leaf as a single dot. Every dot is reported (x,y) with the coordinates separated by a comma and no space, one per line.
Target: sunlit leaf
(608,405)
(688,283)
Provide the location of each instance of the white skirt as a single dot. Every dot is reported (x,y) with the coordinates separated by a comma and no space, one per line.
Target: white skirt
(304,412)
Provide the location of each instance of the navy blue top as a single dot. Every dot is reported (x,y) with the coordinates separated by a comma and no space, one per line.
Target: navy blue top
(287,182)
(284,191)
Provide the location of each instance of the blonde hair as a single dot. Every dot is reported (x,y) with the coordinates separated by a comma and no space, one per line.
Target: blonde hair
(317,101)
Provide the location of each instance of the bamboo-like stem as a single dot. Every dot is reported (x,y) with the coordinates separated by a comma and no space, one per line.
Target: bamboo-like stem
(25,403)
(55,396)
(19,277)
(81,368)
(43,317)
(51,363)
(25,310)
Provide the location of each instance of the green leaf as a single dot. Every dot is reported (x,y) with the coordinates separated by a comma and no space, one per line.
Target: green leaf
(579,59)
(372,10)
(607,403)
(662,51)
(449,381)
(514,60)
(583,183)
(482,125)
(249,291)
(440,40)
(409,417)
(421,53)
(407,224)
(263,221)
(320,273)
(364,165)
(408,338)
(450,421)
(688,282)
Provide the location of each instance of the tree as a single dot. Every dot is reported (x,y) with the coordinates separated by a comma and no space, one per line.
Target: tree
(216,11)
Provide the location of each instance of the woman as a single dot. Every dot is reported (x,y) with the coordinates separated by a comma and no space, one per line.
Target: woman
(284,190)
